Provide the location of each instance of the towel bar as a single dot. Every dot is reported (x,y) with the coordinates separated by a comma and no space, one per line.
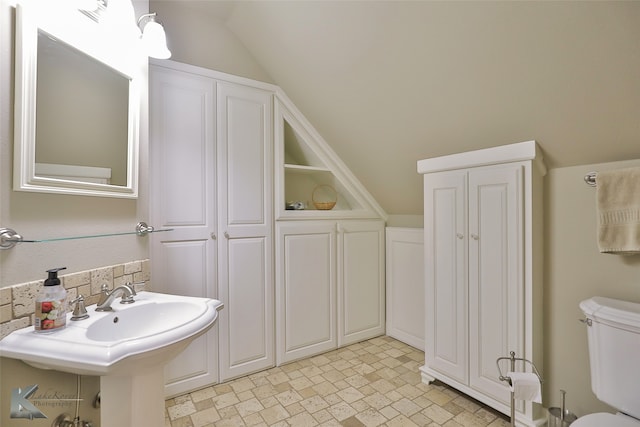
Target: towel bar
(9,238)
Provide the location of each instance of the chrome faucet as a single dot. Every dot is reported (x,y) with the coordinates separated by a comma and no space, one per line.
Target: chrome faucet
(127,291)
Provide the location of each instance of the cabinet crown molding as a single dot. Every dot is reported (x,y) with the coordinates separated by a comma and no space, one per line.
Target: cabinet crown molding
(521,151)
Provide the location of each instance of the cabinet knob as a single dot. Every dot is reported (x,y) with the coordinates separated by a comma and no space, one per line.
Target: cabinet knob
(213,236)
(226,235)
(474,236)
(459,236)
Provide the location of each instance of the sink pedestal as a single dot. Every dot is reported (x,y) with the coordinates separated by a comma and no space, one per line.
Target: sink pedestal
(136,400)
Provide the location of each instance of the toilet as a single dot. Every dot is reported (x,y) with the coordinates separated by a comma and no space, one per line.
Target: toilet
(613,332)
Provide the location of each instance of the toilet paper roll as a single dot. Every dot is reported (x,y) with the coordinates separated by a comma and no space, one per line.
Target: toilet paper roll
(526,386)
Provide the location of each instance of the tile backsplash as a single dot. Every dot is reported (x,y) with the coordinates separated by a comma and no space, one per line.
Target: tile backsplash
(17,302)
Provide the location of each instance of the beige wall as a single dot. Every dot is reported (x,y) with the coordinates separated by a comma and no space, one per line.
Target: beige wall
(574,271)
(198,39)
(61,388)
(38,216)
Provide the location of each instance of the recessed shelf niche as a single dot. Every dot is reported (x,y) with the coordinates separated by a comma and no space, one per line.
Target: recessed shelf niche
(304,162)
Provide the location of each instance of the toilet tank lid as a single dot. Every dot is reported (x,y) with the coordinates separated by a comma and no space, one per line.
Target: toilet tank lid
(617,313)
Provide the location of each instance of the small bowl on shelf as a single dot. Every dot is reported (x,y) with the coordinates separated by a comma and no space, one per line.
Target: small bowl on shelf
(324,197)
(324,206)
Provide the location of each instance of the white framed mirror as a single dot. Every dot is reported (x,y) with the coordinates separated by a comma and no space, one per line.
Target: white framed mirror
(77,100)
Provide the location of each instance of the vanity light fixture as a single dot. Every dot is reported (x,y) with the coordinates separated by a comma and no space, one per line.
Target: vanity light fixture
(89,5)
(153,37)
(94,9)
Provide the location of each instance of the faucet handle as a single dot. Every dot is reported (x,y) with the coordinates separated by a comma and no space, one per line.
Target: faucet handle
(104,294)
(137,286)
(79,310)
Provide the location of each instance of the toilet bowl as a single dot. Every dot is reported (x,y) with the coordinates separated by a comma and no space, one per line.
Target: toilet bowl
(613,333)
(603,419)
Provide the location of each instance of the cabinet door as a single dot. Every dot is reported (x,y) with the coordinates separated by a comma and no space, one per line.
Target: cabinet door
(306,289)
(360,280)
(182,197)
(245,221)
(445,243)
(405,285)
(495,273)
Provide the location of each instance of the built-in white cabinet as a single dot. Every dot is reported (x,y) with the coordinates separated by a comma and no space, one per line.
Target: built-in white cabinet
(227,154)
(330,285)
(329,262)
(211,182)
(483,283)
(405,285)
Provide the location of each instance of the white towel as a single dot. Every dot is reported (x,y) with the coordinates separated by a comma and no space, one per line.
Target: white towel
(618,195)
(526,386)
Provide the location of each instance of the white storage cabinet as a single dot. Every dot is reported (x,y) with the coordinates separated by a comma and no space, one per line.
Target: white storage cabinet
(483,281)
(211,181)
(217,145)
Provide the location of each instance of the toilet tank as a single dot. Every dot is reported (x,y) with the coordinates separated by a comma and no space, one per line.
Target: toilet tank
(613,333)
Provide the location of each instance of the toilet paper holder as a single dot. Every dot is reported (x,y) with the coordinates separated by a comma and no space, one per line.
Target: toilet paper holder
(513,359)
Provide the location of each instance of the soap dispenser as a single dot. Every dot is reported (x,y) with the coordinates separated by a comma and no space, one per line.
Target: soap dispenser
(51,305)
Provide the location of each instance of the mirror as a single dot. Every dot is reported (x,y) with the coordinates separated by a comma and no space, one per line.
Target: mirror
(77,103)
(93,96)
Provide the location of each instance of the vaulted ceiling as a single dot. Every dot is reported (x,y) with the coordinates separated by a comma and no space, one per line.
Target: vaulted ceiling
(388,83)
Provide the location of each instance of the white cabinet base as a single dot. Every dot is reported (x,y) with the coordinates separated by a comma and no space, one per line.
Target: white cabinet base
(330,285)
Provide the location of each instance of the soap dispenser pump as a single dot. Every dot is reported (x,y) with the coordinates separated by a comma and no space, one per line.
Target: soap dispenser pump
(51,305)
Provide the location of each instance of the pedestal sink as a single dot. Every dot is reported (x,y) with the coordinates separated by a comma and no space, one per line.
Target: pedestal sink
(127,347)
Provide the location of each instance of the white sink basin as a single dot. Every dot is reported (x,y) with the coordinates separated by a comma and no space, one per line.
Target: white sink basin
(129,340)
(142,320)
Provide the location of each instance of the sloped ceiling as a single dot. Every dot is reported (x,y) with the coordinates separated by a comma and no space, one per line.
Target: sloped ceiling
(388,83)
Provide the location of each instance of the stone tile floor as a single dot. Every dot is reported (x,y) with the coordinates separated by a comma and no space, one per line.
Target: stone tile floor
(372,383)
